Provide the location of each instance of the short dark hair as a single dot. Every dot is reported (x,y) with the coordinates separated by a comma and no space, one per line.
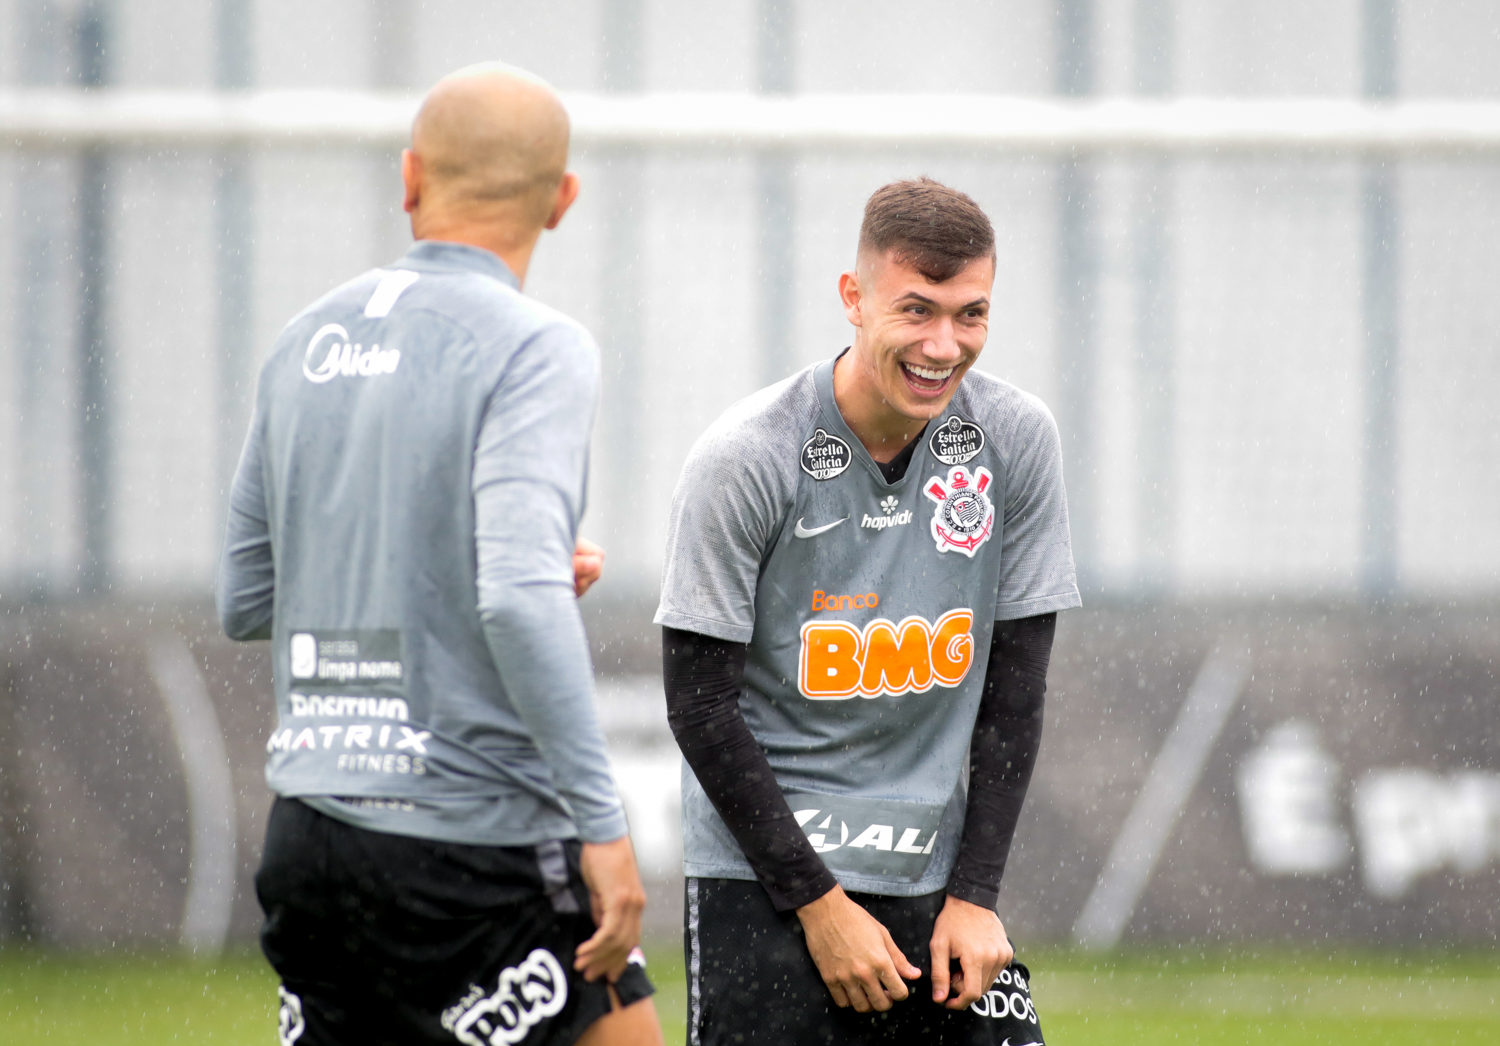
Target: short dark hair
(931,227)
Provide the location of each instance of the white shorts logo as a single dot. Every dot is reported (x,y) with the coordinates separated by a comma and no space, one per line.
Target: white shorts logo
(290,1024)
(528,993)
(1009,996)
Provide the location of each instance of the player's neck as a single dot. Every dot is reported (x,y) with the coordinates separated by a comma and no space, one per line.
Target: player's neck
(883,431)
(497,238)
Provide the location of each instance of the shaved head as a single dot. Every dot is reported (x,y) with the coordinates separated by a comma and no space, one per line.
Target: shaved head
(492,135)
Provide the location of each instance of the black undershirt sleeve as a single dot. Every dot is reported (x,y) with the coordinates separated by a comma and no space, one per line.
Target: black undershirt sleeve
(703,676)
(1007,736)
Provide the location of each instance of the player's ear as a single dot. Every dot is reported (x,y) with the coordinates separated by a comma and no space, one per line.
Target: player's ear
(567,192)
(851,295)
(411,178)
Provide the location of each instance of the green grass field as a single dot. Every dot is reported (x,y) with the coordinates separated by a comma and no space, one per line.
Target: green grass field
(1165,996)
(1289,998)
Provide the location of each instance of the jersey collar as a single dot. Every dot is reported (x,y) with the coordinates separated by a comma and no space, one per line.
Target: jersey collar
(823,382)
(446,256)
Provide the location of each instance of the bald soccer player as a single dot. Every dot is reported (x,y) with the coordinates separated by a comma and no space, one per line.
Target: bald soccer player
(447,857)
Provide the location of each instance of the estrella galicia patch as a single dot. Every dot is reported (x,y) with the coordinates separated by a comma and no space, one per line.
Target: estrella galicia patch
(956,441)
(825,455)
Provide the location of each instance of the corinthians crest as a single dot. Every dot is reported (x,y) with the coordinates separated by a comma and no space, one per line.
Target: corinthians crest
(965,517)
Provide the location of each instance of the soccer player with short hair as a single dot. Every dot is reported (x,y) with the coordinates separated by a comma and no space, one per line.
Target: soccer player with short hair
(447,859)
(863,571)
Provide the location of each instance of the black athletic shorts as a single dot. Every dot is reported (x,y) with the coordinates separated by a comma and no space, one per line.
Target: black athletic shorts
(751,979)
(385,939)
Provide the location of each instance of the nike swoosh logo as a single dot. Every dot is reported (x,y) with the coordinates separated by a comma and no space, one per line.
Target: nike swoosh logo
(803,532)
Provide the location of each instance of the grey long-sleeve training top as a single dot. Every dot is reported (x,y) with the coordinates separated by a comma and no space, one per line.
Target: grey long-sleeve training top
(401,527)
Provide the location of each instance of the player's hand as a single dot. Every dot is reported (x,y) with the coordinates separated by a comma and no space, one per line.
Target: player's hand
(976,938)
(855,954)
(617,898)
(588,564)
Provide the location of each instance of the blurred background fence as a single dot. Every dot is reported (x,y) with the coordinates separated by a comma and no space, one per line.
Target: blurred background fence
(1246,253)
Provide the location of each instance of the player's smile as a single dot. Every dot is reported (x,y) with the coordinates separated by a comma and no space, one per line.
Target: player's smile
(927,379)
(918,376)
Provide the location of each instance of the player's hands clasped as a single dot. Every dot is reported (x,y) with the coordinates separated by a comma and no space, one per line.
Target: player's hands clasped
(854,953)
(588,565)
(975,937)
(618,899)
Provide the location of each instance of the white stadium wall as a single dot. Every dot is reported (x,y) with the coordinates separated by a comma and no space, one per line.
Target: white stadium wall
(1259,489)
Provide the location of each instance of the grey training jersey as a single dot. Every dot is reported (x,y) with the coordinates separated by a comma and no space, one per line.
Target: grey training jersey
(868,608)
(401,527)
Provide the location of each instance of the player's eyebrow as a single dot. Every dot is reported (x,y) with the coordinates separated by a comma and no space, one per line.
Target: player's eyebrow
(924,300)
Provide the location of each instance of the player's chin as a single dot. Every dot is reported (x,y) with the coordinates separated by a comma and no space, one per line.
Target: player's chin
(926,408)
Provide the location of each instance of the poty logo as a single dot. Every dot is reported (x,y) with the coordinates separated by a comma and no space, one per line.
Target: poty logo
(892,518)
(290,1023)
(838,660)
(345,359)
(528,994)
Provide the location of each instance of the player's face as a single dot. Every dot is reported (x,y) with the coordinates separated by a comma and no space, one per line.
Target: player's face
(916,338)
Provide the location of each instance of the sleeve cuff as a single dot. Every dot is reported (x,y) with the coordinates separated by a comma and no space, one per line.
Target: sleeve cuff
(604,829)
(1038,605)
(703,626)
(984,896)
(806,893)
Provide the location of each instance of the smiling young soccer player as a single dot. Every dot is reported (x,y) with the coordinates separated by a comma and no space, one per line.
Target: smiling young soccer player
(863,572)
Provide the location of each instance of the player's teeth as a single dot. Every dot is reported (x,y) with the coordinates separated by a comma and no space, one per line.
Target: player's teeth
(930,375)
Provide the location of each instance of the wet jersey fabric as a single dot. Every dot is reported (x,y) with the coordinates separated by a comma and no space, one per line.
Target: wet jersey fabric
(401,527)
(868,608)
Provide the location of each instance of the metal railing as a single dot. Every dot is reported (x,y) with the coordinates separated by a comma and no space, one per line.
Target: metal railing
(991,123)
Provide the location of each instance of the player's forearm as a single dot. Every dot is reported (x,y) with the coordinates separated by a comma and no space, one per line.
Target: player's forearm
(1007,737)
(702,677)
(537,640)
